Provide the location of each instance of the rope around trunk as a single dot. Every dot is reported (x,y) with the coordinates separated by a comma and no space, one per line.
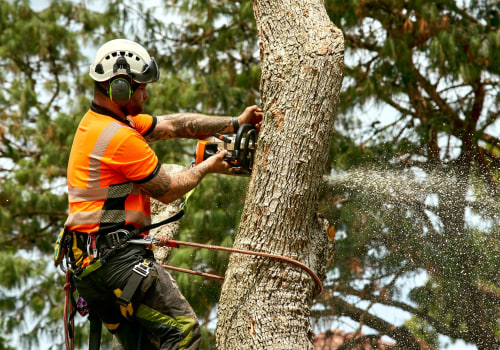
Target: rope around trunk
(164,241)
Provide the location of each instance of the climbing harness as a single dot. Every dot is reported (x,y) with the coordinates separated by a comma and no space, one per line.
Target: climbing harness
(68,261)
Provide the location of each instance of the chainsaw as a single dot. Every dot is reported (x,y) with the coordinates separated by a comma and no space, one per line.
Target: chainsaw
(240,149)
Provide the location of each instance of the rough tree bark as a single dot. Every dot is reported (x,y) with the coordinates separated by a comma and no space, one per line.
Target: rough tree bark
(161,211)
(265,304)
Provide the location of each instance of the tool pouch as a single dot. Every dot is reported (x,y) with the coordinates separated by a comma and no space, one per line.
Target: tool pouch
(63,243)
(69,245)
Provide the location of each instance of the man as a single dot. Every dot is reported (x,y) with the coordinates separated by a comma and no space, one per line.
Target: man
(112,173)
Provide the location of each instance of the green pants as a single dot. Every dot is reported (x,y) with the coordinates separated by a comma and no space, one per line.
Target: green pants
(160,318)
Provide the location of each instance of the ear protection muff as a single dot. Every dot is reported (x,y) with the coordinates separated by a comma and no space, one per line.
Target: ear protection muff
(120,91)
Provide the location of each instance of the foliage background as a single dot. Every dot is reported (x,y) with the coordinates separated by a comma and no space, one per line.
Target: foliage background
(415,156)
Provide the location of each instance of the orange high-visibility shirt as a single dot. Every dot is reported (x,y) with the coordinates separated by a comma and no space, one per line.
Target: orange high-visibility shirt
(107,161)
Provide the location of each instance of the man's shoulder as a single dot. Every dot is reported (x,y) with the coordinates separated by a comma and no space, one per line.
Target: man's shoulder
(143,123)
(141,118)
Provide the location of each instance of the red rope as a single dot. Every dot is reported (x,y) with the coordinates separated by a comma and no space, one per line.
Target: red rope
(68,310)
(164,241)
(197,273)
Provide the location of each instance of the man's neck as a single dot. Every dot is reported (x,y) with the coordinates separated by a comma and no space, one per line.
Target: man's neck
(106,104)
(105,111)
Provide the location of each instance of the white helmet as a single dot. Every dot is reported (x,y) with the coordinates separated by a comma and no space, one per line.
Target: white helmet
(124,57)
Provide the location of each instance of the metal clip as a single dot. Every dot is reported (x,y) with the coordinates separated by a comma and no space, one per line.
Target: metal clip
(143,241)
(92,251)
(89,245)
(113,238)
(94,248)
(142,268)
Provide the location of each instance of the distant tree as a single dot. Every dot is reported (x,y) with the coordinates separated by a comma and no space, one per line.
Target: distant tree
(432,169)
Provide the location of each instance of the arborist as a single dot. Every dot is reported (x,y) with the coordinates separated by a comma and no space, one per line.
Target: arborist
(112,173)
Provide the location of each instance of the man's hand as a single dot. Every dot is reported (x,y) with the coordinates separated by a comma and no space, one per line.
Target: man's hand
(251,115)
(217,163)
(167,187)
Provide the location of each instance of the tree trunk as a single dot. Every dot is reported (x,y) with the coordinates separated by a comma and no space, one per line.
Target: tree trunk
(265,303)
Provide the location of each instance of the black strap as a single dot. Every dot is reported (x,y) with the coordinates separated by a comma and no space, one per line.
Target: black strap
(173,218)
(129,290)
(141,271)
(139,230)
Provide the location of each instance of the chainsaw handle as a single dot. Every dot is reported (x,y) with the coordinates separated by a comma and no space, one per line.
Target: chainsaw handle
(239,136)
(242,157)
(246,160)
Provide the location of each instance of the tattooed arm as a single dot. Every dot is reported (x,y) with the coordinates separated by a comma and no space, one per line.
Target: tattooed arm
(199,126)
(167,187)
(189,125)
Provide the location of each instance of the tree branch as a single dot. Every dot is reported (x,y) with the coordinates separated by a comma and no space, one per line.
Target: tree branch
(402,335)
(380,299)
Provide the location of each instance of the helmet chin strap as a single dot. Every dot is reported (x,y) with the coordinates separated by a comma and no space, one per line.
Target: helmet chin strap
(101,89)
(124,110)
